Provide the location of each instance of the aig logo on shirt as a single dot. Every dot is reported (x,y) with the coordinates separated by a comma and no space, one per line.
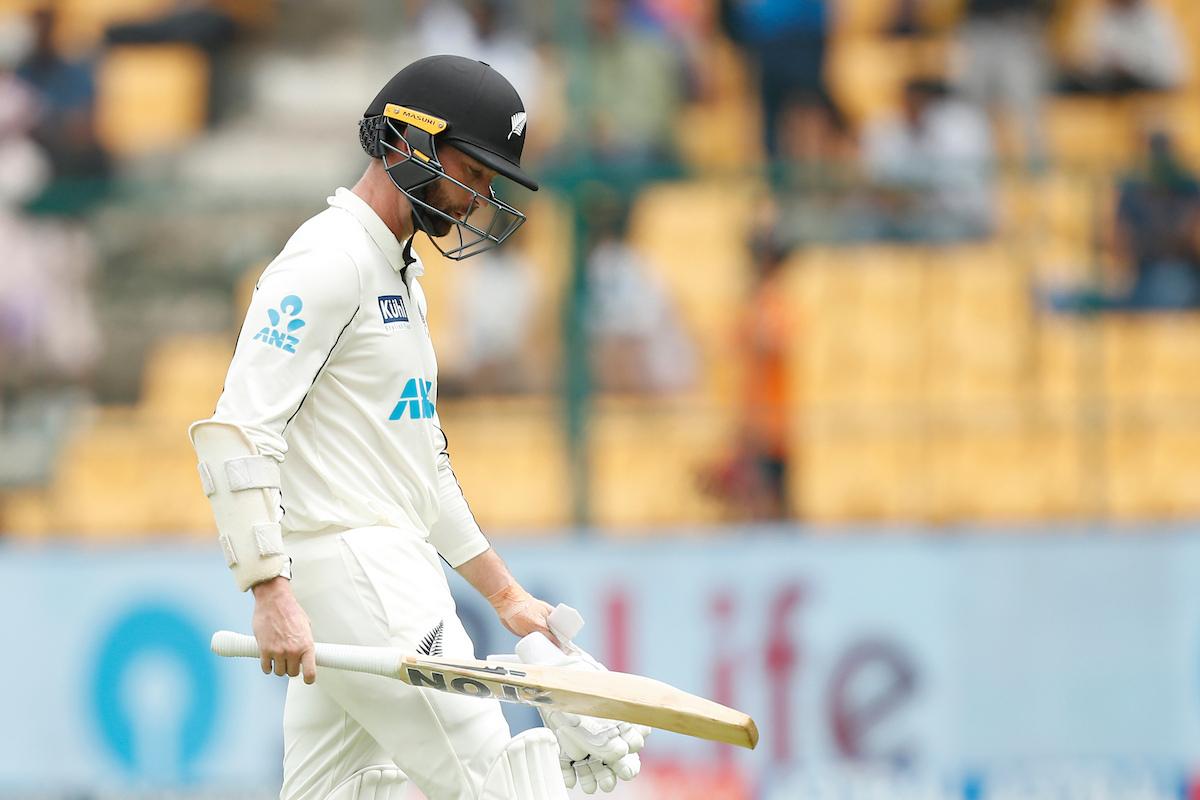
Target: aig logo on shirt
(391,308)
(414,401)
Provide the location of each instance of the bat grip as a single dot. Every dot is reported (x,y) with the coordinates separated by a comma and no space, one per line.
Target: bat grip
(372,660)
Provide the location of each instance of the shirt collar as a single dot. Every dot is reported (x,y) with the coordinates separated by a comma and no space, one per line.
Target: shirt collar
(392,249)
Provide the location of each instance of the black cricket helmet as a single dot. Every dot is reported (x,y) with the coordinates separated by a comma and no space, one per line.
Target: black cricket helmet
(462,103)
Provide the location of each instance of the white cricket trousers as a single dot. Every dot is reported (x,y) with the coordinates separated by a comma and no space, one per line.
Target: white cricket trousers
(381,586)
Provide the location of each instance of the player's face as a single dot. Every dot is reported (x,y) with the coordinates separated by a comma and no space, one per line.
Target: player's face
(451,198)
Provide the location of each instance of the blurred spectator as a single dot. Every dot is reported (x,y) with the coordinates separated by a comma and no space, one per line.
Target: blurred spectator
(66,92)
(754,479)
(821,196)
(785,41)
(906,19)
(495,302)
(931,167)
(23,166)
(633,90)
(1158,230)
(47,331)
(636,339)
(1156,240)
(202,25)
(486,30)
(1005,63)
(1128,46)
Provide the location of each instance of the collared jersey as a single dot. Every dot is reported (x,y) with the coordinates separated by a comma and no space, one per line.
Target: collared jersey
(334,375)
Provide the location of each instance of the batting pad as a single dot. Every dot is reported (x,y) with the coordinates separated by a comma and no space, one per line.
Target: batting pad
(527,769)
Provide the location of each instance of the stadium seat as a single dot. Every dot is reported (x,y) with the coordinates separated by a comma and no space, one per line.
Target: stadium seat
(1151,468)
(1003,464)
(858,470)
(860,342)
(977,326)
(125,478)
(183,377)
(1090,132)
(647,456)
(724,132)
(510,456)
(150,97)
(692,234)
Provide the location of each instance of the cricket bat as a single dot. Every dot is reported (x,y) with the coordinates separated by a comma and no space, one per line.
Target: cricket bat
(612,695)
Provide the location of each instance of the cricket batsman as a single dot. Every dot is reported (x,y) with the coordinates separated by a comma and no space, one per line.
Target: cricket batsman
(330,480)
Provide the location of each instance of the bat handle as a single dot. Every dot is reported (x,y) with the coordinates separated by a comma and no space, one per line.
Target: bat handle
(372,660)
(234,645)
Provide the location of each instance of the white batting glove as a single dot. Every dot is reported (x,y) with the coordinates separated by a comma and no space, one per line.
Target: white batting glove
(594,752)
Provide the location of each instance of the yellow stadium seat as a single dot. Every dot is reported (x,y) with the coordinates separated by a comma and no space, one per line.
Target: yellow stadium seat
(860,341)
(26,513)
(125,477)
(725,131)
(976,324)
(1151,469)
(858,471)
(864,17)
(151,97)
(865,76)
(1004,465)
(183,376)
(647,457)
(1091,132)
(692,234)
(510,456)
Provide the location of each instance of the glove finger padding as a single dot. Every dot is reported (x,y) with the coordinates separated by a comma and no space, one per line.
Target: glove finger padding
(580,737)
(634,735)
(568,771)
(594,774)
(628,767)
(587,779)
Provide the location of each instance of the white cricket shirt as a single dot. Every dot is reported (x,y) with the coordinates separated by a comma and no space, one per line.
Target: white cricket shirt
(334,375)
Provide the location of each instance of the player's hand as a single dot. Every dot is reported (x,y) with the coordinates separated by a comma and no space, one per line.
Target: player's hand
(522,613)
(593,752)
(282,630)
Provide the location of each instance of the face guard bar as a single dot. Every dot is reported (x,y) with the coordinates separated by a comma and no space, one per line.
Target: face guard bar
(490,220)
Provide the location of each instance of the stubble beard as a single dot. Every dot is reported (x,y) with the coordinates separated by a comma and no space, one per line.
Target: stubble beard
(433,224)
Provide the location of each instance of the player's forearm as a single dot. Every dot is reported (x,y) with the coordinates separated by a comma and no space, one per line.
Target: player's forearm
(519,611)
(487,572)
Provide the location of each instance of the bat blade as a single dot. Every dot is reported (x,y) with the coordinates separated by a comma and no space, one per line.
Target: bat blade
(612,695)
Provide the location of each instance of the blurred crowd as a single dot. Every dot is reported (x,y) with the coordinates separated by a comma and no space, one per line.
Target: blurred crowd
(610,88)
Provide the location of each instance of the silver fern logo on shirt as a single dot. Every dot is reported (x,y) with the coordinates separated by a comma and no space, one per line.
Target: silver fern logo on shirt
(431,644)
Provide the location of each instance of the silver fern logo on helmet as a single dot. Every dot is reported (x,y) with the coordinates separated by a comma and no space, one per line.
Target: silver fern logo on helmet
(518,124)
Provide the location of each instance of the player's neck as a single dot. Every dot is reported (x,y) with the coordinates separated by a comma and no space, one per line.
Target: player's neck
(377,190)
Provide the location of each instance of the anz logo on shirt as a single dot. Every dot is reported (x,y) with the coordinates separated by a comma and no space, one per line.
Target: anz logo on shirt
(278,334)
(414,401)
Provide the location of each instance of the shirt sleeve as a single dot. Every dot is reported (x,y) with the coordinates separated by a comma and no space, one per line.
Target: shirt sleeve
(303,304)
(456,534)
